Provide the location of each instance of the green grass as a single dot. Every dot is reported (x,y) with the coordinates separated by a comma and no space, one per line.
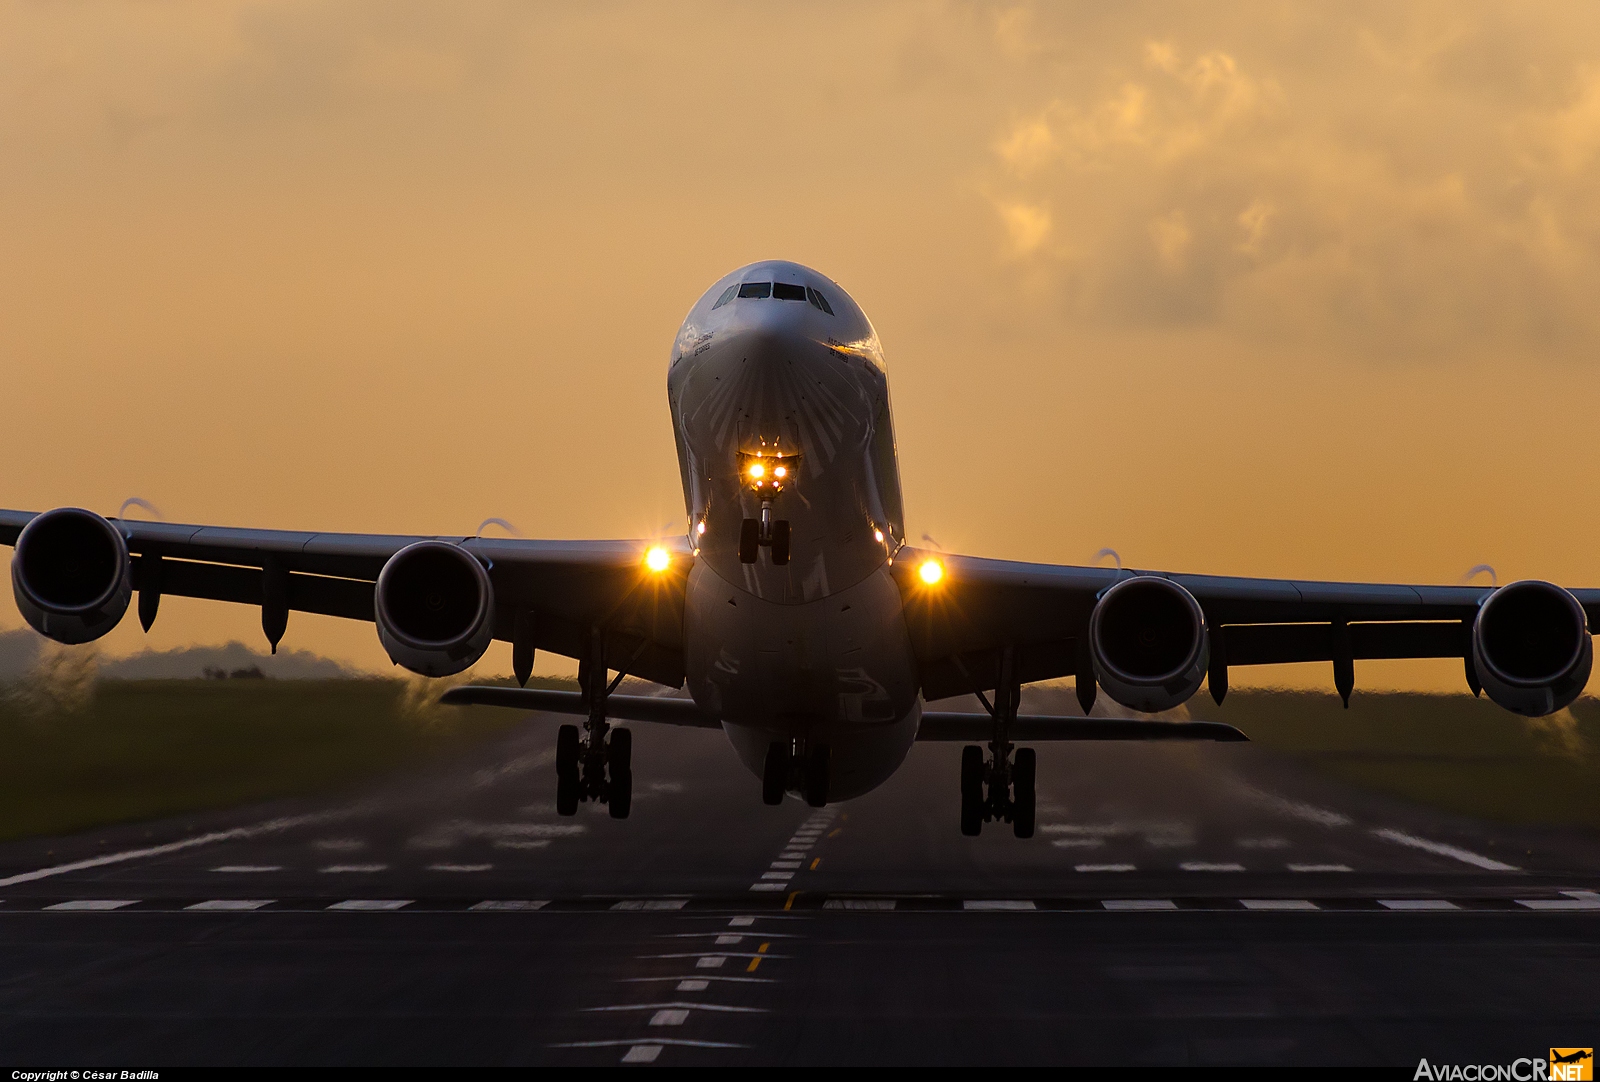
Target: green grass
(146,749)
(1454,752)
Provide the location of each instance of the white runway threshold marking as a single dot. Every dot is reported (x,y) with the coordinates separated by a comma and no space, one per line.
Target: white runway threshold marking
(1418,904)
(340,869)
(229,905)
(1137,905)
(1204,866)
(1319,868)
(509,906)
(372,905)
(997,905)
(1466,856)
(268,827)
(91,905)
(1277,903)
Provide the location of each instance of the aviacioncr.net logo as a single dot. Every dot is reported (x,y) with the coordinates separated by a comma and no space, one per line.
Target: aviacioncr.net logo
(1563,1065)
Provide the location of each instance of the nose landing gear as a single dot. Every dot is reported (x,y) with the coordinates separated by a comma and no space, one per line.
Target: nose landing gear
(765,532)
(1009,784)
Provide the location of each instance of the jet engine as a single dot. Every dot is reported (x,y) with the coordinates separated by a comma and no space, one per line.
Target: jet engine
(1531,647)
(71,576)
(1147,640)
(434,607)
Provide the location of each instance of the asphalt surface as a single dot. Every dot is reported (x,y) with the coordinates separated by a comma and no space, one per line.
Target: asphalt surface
(1208,904)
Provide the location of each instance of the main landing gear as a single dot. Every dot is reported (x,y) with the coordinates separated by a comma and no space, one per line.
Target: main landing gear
(598,764)
(996,788)
(792,764)
(764,532)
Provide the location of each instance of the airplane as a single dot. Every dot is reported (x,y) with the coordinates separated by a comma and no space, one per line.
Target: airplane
(802,622)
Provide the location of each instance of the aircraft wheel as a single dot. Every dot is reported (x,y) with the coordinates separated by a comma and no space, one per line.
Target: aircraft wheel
(749,540)
(619,751)
(971,790)
(817,776)
(775,773)
(1022,775)
(567,786)
(620,793)
(781,534)
(567,752)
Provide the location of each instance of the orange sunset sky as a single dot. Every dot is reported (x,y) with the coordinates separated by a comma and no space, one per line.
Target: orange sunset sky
(1283,289)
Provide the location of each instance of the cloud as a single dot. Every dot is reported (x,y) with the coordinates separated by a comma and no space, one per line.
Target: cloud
(1413,193)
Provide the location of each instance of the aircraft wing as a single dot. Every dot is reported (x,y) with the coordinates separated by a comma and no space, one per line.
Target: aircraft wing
(561,589)
(959,624)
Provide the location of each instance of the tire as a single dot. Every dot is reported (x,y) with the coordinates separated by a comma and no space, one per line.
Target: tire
(817,776)
(1022,775)
(781,534)
(620,792)
(567,753)
(775,773)
(567,795)
(749,540)
(619,751)
(971,790)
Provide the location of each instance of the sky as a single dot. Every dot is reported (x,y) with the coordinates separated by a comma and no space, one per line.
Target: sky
(1284,289)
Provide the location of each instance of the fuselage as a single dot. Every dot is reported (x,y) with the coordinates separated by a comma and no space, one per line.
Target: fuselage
(777,364)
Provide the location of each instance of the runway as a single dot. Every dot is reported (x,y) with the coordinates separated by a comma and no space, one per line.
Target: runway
(1180,906)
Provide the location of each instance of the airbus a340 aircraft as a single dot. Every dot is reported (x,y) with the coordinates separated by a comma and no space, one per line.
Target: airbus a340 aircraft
(803,624)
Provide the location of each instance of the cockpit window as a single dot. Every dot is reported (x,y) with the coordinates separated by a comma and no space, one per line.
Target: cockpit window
(727,295)
(816,298)
(783,291)
(756,289)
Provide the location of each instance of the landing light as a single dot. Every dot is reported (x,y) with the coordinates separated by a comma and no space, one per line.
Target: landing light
(658,559)
(757,470)
(931,571)
(781,471)
(877,535)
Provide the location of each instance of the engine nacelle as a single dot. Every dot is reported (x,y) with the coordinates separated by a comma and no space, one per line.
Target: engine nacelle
(434,607)
(1148,642)
(1531,647)
(71,576)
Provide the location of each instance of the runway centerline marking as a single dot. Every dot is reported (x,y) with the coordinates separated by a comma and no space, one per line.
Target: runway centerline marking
(460,867)
(228,905)
(650,904)
(1104,868)
(371,905)
(92,905)
(696,980)
(1137,905)
(653,1040)
(1206,866)
(1277,903)
(1319,867)
(508,906)
(678,1005)
(791,864)
(882,905)
(1466,856)
(1559,903)
(741,922)
(642,1053)
(1416,903)
(997,905)
(268,827)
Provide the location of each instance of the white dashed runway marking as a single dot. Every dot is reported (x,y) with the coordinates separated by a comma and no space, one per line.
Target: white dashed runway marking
(509,906)
(651,905)
(1205,866)
(246,869)
(1466,856)
(460,867)
(1104,868)
(371,905)
(229,905)
(1137,905)
(339,869)
(1277,903)
(882,905)
(1416,903)
(997,905)
(92,905)
(1319,867)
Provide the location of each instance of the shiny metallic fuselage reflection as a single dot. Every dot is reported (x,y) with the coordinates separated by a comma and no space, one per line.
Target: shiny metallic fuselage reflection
(815,651)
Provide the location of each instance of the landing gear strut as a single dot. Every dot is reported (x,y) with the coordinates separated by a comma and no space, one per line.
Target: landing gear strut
(787,768)
(765,532)
(598,765)
(1010,785)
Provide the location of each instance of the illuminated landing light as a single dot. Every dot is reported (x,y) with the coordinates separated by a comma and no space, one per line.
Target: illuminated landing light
(757,470)
(781,471)
(700,529)
(931,571)
(658,559)
(877,535)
